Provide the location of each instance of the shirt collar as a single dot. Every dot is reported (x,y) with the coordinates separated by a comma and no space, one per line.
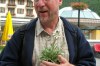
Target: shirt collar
(39,27)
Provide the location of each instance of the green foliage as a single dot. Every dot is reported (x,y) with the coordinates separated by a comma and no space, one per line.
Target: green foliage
(1,47)
(51,54)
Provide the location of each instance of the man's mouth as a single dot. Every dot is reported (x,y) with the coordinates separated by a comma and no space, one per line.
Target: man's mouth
(42,11)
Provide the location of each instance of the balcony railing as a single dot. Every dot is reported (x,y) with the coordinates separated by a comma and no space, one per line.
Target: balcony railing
(11,4)
(29,15)
(29,5)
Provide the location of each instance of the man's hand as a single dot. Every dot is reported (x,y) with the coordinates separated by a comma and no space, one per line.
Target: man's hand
(63,62)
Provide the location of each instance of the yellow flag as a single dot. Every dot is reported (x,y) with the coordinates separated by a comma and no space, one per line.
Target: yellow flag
(8,28)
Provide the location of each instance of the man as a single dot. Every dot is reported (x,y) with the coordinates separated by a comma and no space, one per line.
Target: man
(39,32)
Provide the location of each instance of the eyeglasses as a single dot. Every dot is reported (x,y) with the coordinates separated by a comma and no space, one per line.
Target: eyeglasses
(38,0)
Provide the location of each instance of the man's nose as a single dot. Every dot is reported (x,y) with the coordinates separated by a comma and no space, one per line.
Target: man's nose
(40,3)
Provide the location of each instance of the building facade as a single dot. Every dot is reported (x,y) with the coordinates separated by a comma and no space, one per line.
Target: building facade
(89,21)
(22,11)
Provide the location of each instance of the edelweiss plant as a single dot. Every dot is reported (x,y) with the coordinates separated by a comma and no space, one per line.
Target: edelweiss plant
(51,53)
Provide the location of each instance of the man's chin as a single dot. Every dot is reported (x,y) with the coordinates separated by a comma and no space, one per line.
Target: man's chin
(43,19)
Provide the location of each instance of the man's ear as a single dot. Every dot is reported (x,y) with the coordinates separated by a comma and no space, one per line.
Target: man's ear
(60,2)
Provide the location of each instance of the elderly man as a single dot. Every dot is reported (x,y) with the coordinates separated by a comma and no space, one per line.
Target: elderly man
(27,43)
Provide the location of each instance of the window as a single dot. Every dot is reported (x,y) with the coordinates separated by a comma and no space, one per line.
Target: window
(20,11)
(11,2)
(2,10)
(29,3)
(29,12)
(12,10)
(21,2)
(86,33)
(66,13)
(2,1)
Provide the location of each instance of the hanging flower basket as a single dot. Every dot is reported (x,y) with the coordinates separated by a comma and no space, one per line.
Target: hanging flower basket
(79,5)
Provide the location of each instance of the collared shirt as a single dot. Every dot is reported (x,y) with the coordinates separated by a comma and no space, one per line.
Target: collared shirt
(43,39)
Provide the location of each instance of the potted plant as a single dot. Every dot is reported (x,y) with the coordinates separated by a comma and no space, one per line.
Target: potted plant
(79,5)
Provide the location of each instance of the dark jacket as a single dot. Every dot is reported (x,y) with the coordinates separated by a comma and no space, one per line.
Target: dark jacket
(18,51)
